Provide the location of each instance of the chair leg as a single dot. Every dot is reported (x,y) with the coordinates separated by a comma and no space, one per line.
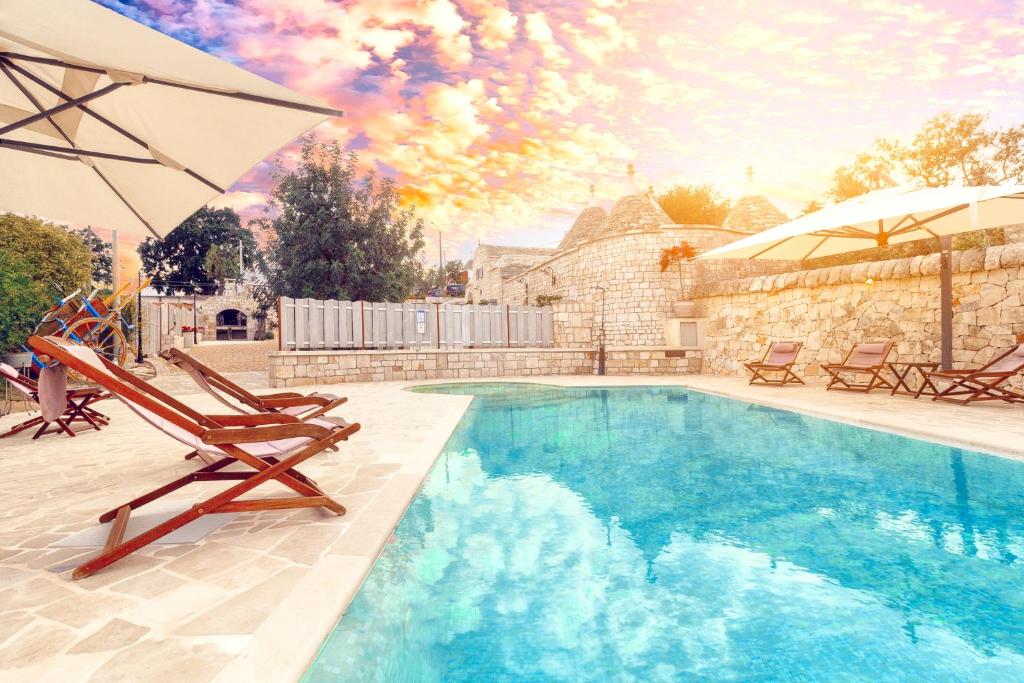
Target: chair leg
(27,424)
(224,501)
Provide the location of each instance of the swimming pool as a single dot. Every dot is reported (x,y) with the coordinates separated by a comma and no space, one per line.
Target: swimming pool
(664,534)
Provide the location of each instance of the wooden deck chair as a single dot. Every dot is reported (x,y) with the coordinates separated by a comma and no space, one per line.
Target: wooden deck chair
(862,360)
(779,358)
(79,402)
(271,445)
(219,386)
(984,383)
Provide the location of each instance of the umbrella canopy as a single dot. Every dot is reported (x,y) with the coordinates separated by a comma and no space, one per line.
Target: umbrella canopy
(108,122)
(888,216)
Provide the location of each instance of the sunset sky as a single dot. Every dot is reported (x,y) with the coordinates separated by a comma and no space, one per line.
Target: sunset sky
(497,116)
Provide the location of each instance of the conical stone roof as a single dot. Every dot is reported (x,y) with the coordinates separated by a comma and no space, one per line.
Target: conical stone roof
(633,212)
(753,213)
(585,228)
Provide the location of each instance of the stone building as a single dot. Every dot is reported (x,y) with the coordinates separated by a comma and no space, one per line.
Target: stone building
(492,265)
(227,316)
(605,273)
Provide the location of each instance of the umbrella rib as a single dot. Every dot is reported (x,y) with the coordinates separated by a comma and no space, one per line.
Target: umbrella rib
(808,255)
(48,154)
(4,142)
(916,225)
(768,248)
(261,99)
(103,119)
(31,98)
(47,113)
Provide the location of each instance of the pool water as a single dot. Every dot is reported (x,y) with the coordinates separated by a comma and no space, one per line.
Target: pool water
(661,534)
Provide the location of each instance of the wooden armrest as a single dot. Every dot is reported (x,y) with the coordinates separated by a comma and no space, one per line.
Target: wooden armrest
(951,371)
(283,394)
(292,402)
(243,420)
(234,435)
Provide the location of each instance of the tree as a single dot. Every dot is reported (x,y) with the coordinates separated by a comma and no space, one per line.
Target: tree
(336,235)
(947,150)
(454,271)
(39,261)
(811,207)
(180,258)
(102,261)
(24,302)
(220,264)
(264,300)
(695,205)
(868,171)
(676,256)
(57,256)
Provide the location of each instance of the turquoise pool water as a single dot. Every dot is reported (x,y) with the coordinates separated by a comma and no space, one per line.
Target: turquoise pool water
(660,534)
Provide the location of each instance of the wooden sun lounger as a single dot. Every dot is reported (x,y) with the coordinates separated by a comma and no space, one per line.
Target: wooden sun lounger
(984,383)
(271,445)
(79,402)
(863,359)
(779,358)
(219,386)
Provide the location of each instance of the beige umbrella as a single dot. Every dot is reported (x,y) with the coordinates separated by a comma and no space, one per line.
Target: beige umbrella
(889,216)
(107,122)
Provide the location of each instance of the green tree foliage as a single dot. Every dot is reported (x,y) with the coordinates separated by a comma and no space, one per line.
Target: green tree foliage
(180,257)
(24,302)
(695,205)
(454,271)
(102,259)
(36,260)
(338,235)
(221,263)
(57,256)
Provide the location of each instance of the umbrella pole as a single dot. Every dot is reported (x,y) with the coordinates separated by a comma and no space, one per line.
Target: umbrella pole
(946,295)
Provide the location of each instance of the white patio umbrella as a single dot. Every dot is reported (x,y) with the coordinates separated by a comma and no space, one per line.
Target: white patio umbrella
(107,122)
(889,216)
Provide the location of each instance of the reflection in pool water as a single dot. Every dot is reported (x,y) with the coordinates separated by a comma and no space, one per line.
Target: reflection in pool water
(663,534)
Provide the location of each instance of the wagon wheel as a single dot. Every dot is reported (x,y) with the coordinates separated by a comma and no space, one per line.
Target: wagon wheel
(102,336)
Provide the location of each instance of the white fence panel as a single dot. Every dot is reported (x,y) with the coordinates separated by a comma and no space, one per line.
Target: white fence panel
(316,324)
(286,325)
(309,324)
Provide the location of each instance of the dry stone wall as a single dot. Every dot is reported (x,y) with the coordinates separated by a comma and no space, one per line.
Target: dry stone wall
(832,308)
(298,368)
(618,279)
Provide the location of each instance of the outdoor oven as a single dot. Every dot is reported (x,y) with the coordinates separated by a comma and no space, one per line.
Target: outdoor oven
(231,324)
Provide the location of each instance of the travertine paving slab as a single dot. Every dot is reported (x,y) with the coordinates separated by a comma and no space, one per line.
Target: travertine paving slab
(185,612)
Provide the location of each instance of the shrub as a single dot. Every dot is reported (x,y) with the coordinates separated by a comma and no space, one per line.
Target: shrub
(24,302)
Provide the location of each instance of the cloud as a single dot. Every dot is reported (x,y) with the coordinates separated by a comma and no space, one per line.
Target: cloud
(496,118)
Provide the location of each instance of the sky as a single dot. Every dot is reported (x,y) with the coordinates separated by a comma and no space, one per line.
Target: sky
(496,116)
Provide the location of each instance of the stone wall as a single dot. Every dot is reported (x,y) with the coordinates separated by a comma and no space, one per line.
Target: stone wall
(638,297)
(297,368)
(830,309)
(234,297)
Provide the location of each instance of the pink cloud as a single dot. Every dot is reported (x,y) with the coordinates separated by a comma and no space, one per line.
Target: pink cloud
(497,118)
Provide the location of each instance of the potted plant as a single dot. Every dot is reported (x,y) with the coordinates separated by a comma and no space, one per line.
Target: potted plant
(677,256)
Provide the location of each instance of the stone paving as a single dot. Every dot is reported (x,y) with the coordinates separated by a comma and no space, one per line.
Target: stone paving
(196,612)
(254,599)
(238,356)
